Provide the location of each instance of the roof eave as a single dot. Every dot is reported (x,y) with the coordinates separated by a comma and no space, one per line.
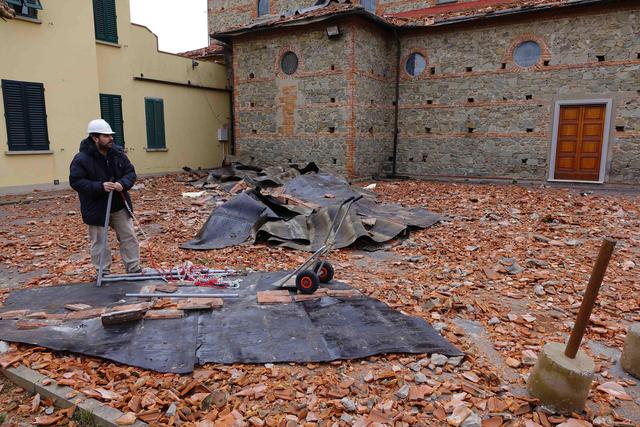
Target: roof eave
(225,36)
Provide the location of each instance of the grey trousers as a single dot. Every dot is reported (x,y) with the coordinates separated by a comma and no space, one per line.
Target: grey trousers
(129,247)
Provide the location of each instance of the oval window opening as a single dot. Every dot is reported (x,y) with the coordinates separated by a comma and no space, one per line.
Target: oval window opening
(415,64)
(527,54)
(289,63)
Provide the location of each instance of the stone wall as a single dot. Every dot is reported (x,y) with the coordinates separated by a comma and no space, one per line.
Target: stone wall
(302,117)
(336,109)
(375,69)
(473,112)
(226,14)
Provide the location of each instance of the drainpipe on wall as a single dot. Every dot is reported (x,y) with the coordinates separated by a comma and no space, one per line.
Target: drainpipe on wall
(397,102)
(228,59)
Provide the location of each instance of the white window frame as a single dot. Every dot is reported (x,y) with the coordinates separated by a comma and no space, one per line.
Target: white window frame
(608,102)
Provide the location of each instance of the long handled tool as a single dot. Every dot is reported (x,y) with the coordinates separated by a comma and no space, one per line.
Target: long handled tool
(105,239)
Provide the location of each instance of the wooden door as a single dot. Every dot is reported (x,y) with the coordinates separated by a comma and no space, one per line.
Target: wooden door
(579,147)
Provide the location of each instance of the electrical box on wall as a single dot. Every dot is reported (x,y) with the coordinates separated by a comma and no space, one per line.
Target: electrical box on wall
(223,134)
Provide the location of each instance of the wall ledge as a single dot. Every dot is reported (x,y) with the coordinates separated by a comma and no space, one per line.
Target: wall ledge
(156,150)
(118,45)
(27,19)
(27,153)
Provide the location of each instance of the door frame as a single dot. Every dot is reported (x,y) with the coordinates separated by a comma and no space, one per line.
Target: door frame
(608,102)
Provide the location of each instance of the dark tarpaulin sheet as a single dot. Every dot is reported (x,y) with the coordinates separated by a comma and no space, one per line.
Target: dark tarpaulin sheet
(240,332)
(300,227)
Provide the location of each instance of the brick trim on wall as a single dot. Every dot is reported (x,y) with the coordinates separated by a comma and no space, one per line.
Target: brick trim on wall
(300,70)
(403,62)
(545,53)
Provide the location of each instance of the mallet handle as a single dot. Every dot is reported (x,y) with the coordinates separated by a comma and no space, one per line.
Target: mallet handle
(589,299)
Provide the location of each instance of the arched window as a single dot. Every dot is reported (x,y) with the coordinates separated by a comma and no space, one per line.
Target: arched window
(527,54)
(263,7)
(369,5)
(415,64)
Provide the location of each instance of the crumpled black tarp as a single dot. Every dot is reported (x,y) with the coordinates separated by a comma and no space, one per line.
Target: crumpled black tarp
(242,331)
(258,215)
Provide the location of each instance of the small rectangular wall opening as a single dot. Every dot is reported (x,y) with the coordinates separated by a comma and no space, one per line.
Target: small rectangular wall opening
(503,66)
(432,70)
(470,100)
(251,75)
(254,131)
(332,129)
(619,128)
(335,161)
(601,58)
(528,97)
(429,101)
(427,130)
(424,157)
(252,104)
(471,130)
(468,69)
(333,100)
(545,63)
(529,130)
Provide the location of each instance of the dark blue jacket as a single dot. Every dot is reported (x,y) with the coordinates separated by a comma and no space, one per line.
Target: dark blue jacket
(89,170)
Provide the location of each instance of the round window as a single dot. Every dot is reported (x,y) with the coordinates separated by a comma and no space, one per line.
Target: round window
(527,54)
(289,63)
(415,64)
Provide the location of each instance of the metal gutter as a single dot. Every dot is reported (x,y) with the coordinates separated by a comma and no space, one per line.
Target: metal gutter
(168,82)
(397,107)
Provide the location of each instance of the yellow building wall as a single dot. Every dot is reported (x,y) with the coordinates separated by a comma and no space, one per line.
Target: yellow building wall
(52,53)
(61,52)
(192,116)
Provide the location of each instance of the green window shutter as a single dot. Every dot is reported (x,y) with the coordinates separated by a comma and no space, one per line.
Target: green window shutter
(25,115)
(33,3)
(105,20)
(111,111)
(148,112)
(154,113)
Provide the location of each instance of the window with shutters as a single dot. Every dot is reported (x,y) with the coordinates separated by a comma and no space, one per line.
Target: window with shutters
(154,111)
(25,115)
(111,111)
(26,8)
(105,20)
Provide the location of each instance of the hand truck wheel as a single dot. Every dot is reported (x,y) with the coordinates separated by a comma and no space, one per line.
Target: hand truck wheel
(307,282)
(325,274)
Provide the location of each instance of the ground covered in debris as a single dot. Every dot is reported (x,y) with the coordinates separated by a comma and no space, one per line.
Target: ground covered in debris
(501,276)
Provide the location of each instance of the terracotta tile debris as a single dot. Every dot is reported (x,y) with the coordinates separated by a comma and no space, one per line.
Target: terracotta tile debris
(280,296)
(438,274)
(78,307)
(85,314)
(200,303)
(164,314)
(13,315)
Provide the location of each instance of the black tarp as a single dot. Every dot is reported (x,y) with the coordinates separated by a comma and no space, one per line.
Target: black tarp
(299,213)
(242,331)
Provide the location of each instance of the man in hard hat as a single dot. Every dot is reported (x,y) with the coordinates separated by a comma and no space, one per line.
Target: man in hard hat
(99,168)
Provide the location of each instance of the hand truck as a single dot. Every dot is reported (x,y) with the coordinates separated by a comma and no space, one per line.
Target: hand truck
(316,269)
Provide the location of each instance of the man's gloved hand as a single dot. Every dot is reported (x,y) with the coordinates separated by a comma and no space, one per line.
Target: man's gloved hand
(110,186)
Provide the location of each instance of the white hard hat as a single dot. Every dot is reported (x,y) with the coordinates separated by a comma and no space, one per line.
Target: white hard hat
(99,126)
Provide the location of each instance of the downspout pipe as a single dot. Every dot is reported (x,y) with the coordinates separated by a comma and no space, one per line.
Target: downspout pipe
(397,106)
(228,59)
